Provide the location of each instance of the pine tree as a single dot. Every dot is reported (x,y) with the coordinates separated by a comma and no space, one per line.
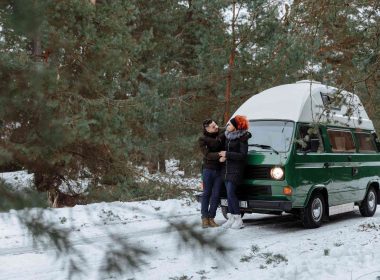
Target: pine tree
(93,88)
(338,41)
(65,110)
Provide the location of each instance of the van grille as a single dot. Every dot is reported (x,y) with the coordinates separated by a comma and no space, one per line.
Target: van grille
(251,190)
(257,172)
(246,191)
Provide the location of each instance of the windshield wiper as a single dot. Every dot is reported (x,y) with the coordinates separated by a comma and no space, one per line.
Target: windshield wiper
(266,147)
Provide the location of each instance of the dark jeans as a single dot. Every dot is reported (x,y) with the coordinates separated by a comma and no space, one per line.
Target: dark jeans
(212,183)
(233,202)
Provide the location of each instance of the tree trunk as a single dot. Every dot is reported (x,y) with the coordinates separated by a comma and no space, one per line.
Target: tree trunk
(53,197)
(227,110)
(161,164)
(36,47)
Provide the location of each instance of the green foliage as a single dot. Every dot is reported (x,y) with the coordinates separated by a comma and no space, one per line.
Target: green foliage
(336,41)
(65,110)
(268,257)
(97,89)
(13,199)
(136,191)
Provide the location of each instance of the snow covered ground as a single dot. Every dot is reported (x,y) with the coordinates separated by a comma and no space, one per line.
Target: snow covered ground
(269,247)
(18,180)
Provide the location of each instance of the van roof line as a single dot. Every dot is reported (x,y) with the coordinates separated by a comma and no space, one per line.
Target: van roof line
(308,82)
(302,102)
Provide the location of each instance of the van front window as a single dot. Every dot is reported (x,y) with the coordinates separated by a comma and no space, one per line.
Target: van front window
(270,135)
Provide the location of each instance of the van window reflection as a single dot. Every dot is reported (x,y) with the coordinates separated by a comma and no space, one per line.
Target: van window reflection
(341,141)
(309,140)
(277,134)
(366,142)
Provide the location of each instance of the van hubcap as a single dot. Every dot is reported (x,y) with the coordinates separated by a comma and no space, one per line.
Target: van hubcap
(316,209)
(371,201)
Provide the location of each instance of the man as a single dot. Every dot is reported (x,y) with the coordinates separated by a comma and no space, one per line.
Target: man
(211,143)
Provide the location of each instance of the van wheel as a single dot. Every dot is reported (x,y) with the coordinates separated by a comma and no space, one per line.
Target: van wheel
(224,212)
(312,214)
(369,204)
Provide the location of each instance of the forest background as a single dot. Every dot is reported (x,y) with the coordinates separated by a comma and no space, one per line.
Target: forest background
(91,90)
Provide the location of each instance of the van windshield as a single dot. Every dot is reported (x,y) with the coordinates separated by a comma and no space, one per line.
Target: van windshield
(270,135)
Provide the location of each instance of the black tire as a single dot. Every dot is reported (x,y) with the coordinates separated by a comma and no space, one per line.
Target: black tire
(224,212)
(312,215)
(368,206)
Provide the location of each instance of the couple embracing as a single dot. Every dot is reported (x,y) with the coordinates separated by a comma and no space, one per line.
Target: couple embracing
(224,155)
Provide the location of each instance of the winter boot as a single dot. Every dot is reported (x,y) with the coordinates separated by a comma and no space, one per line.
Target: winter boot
(212,223)
(238,222)
(230,221)
(205,223)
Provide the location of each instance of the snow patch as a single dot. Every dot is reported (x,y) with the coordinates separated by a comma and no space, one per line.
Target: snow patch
(18,180)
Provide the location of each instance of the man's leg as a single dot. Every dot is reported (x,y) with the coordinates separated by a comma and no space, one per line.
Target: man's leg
(207,188)
(215,194)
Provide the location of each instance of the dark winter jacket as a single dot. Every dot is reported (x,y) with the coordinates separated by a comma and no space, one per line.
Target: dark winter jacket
(236,155)
(211,144)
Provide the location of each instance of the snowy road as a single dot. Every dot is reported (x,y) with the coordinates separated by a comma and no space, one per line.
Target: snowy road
(269,247)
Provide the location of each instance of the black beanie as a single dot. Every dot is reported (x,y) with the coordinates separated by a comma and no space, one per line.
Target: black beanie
(234,123)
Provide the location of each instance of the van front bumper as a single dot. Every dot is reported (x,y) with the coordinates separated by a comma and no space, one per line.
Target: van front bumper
(275,205)
(252,204)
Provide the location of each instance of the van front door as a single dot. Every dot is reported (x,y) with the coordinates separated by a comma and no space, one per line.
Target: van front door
(312,163)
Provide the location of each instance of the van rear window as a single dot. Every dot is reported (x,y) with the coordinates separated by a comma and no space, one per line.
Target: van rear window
(366,143)
(341,141)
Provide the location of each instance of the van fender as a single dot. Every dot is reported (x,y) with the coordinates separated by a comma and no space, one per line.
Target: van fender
(375,183)
(319,188)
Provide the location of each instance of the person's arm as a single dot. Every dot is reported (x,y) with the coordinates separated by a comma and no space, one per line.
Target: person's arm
(205,151)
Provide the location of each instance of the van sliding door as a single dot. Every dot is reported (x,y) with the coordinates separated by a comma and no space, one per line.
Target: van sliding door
(343,166)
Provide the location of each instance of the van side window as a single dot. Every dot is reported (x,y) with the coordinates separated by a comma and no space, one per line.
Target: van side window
(366,142)
(309,140)
(341,141)
(333,102)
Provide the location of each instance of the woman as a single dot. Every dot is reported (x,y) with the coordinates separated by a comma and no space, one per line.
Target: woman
(234,158)
(211,143)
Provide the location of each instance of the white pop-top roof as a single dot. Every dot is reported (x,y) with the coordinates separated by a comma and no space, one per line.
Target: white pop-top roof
(302,102)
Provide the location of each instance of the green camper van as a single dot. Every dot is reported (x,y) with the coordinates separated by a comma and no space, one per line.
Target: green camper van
(313,153)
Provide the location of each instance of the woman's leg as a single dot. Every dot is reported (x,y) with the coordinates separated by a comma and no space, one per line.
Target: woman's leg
(233,202)
(207,187)
(215,195)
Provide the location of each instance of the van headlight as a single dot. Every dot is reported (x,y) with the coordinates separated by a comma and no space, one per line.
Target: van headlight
(277,173)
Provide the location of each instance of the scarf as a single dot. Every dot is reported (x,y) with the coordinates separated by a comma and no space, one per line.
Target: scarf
(235,134)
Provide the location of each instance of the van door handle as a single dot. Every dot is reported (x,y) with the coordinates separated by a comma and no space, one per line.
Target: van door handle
(326,164)
(349,158)
(355,171)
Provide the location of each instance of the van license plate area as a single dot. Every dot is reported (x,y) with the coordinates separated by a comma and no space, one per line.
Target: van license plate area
(243,204)
(223,202)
